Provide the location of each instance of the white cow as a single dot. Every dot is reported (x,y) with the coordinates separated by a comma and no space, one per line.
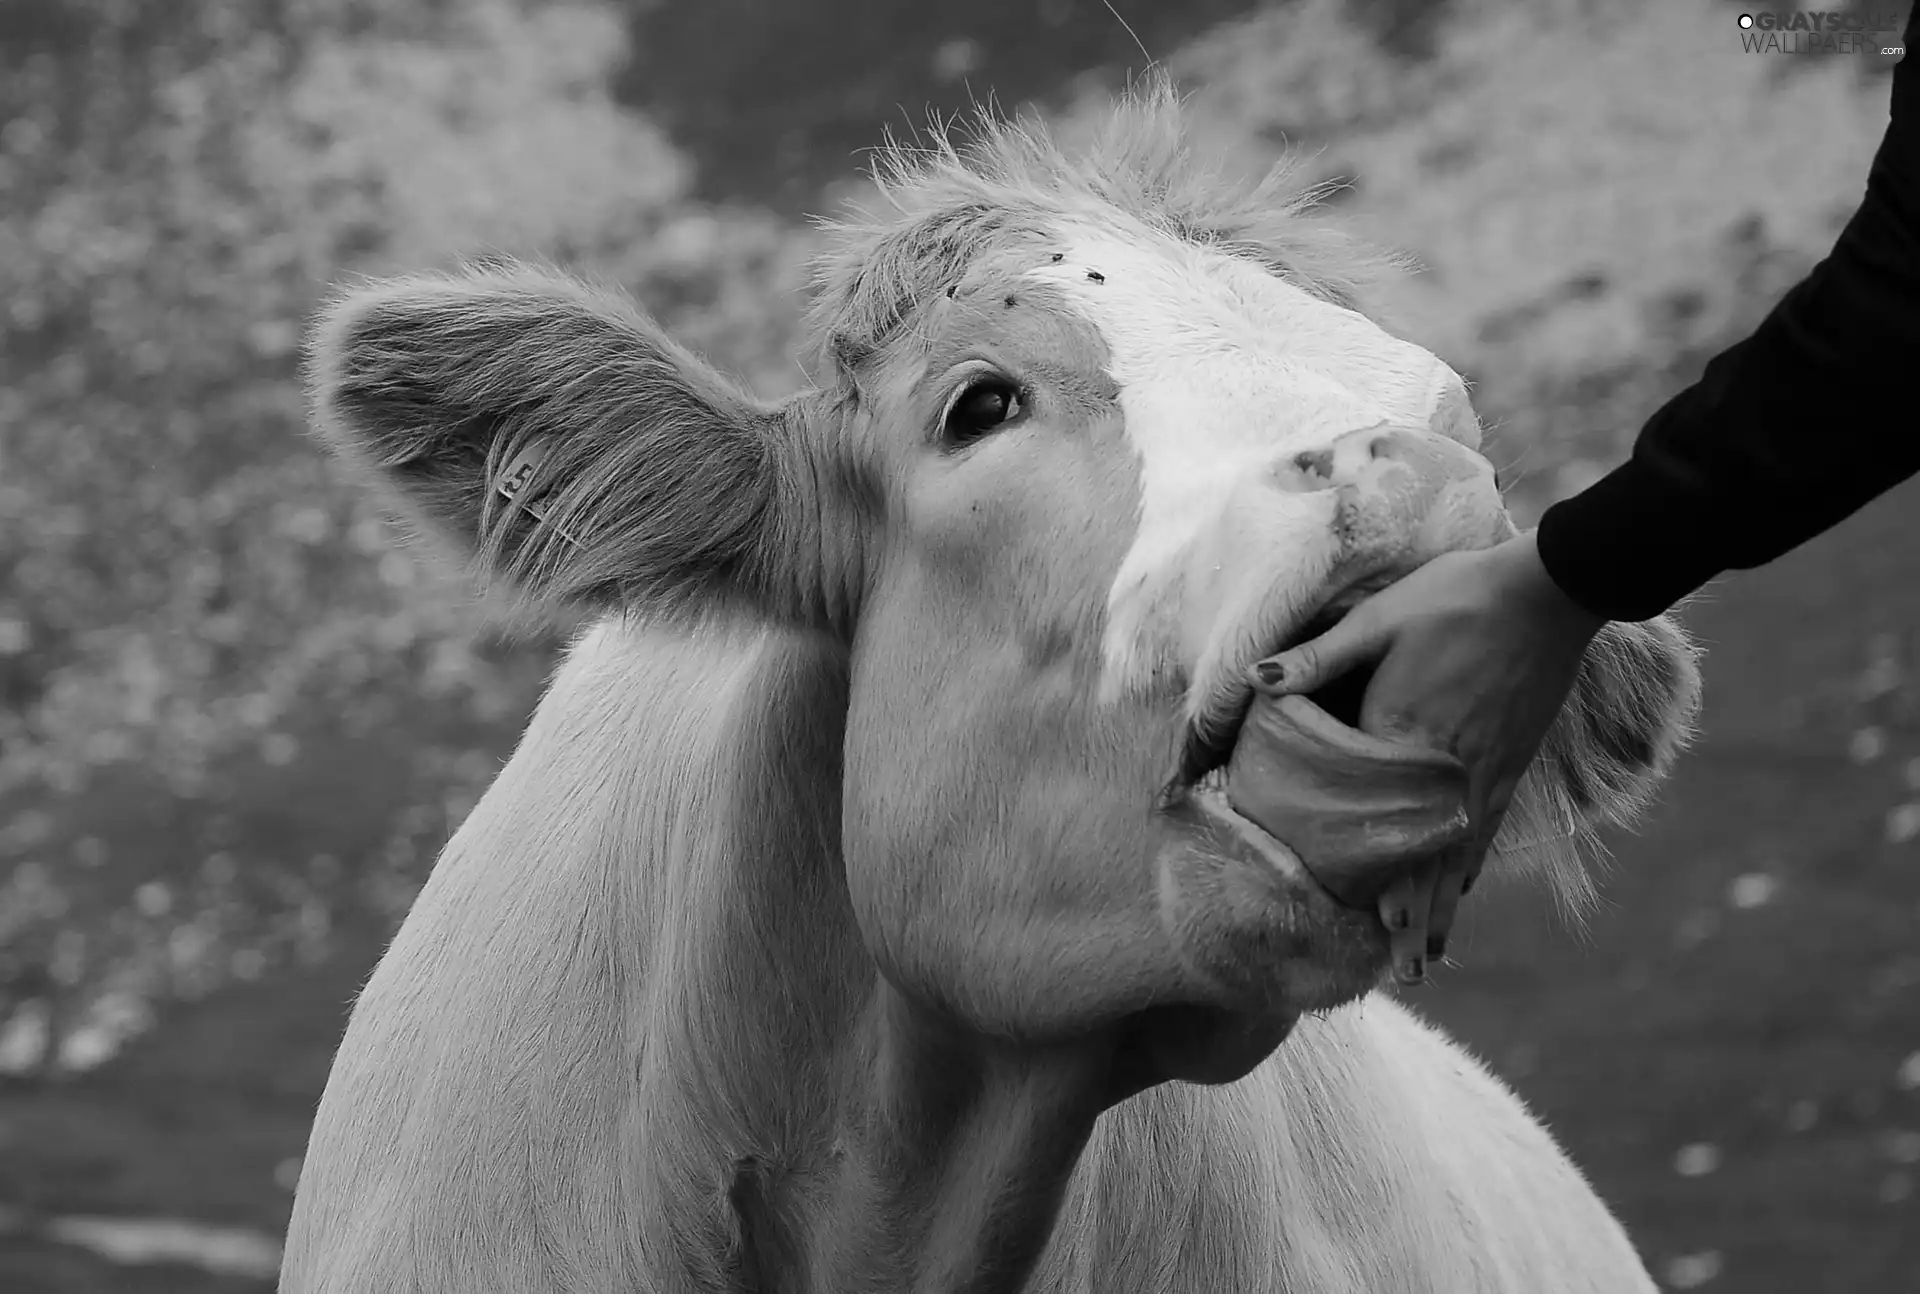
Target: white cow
(836,926)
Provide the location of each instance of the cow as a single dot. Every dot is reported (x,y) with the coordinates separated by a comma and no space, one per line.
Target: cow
(856,912)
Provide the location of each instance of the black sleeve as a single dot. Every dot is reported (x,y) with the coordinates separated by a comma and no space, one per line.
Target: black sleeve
(1786,433)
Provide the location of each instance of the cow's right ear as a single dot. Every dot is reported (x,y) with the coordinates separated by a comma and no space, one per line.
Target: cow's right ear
(559,437)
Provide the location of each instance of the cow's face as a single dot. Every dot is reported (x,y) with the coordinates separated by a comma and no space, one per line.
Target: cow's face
(1118,469)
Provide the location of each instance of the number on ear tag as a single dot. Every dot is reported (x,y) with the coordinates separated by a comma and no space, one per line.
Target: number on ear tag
(519,473)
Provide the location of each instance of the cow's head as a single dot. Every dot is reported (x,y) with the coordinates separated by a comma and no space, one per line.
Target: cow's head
(1092,437)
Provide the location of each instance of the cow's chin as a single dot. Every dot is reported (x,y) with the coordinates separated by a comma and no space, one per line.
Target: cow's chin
(1276,858)
(1260,935)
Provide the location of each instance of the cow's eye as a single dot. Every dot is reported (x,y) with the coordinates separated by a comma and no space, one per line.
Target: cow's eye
(983,407)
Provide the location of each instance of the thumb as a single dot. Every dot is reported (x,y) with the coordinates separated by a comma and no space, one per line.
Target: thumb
(1308,666)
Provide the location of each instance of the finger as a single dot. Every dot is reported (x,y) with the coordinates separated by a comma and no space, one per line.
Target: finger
(1409,945)
(1449,887)
(1460,867)
(1312,664)
(1404,908)
(1489,820)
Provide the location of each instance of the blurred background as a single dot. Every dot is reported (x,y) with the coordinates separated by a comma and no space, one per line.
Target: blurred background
(236,722)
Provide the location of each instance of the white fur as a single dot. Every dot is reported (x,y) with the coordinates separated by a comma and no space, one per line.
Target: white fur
(1226,373)
(1369,1155)
(527,1090)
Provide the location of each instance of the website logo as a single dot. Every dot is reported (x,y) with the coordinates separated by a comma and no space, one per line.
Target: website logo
(1809,31)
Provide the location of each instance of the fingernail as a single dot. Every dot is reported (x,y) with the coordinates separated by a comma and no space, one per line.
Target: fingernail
(1416,968)
(1270,672)
(1436,946)
(1399,919)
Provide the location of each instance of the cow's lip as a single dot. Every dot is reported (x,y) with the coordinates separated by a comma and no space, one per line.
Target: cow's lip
(1208,739)
(1210,802)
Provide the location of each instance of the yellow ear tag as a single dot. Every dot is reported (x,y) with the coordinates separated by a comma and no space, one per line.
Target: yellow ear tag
(519,473)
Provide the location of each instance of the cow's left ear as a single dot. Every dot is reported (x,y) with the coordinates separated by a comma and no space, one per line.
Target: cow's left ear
(557,437)
(1630,714)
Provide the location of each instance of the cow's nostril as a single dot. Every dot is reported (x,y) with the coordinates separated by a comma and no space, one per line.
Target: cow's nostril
(1393,444)
(1314,462)
(1352,459)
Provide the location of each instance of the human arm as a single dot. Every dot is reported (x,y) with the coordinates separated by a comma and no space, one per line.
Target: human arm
(1787,433)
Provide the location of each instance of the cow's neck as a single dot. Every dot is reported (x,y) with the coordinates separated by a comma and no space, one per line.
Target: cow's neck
(949,1162)
(805,1128)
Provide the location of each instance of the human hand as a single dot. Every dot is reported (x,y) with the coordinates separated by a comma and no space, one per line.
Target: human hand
(1477,652)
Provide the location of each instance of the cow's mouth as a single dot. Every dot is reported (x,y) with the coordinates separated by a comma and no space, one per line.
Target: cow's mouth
(1310,789)
(1208,742)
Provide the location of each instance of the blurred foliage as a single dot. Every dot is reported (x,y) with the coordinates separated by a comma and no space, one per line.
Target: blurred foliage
(196,620)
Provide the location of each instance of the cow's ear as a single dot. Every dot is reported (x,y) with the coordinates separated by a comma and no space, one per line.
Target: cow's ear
(1630,713)
(555,435)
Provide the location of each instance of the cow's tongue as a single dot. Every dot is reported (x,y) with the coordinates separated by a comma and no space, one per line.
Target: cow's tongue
(1356,810)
